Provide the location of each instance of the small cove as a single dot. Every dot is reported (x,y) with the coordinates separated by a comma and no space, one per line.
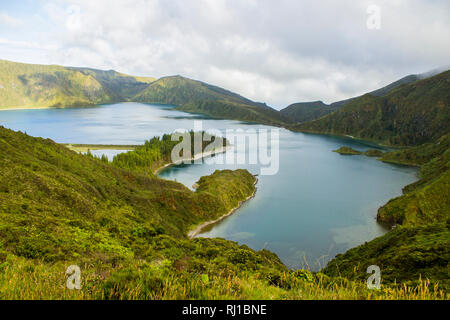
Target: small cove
(319,204)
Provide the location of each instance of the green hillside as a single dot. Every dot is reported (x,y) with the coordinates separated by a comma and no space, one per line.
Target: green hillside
(199,97)
(307,111)
(27,85)
(420,243)
(416,114)
(58,206)
(156,153)
(127,229)
(411,114)
(127,232)
(40,86)
(123,85)
(347,151)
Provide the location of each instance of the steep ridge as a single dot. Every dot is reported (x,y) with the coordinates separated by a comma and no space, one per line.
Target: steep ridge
(199,97)
(39,86)
(308,111)
(411,114)
(27,85)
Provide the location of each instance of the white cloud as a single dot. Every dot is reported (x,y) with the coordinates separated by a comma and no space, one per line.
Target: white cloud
(9,21)
(279,52)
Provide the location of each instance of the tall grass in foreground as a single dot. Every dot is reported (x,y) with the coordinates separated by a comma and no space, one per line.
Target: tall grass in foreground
(26,280)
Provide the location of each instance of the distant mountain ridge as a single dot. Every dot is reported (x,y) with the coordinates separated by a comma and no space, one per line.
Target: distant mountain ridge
(410,114)
(199,97)
(29,85)
(125,86)
(308,111)
(58,206)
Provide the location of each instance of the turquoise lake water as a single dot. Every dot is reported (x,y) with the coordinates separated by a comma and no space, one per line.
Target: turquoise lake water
(319,203)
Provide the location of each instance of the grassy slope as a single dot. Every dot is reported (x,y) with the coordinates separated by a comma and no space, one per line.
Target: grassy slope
(403,255)
(41,178)
(125,86)
(59,206)
(195,96)
(127,233)
(411,114)
(28,85)
(427,200)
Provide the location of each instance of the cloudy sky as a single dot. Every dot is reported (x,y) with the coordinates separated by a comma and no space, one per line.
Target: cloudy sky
(273,51)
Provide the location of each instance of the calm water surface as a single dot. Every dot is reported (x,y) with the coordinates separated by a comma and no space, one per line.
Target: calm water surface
(319,204)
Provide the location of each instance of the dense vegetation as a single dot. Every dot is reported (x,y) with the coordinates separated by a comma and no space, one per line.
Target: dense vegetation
(59,206)
(127,228)
(27,85)
(347,151)
(350,151)
(403,255)
(307,111)
(124,86)
(156,152)
(427,200)
(373,153)
(127,232)
(408,113)
(411,114)
(199,97)
(419,245)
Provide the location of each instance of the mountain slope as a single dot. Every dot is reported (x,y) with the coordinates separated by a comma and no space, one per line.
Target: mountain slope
(28,85)
(199,97)
(309,111)
(411,114)
(125,86)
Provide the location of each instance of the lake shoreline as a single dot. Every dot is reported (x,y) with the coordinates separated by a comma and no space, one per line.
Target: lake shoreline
(94,147)
(193,233)
(196,157)
(25,108)
(301,154)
